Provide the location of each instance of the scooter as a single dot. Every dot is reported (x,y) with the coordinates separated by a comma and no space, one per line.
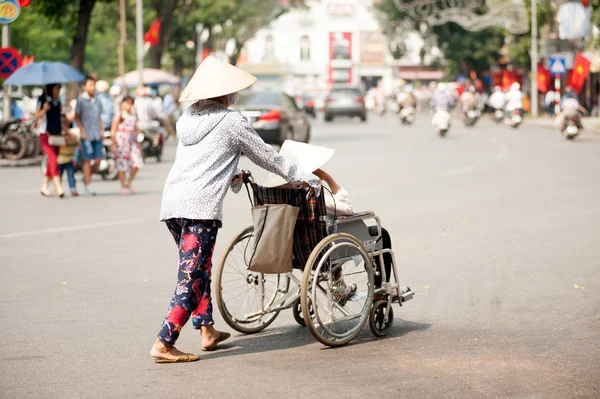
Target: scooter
(571,127)
(441,121)
(13,144)
(514,119)
(151,137)
(498,115)
(407,115)
(471,117)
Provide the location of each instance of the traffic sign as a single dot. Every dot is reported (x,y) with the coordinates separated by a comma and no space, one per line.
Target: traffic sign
(9,11)
(558,66)
(10,61)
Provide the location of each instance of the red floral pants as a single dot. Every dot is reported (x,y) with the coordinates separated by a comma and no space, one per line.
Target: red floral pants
(196,242)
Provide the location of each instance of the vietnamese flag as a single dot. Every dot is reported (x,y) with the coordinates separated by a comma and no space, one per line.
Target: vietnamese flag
(24,3)
(508,78)
(579,74)
(152,37)
(543,79)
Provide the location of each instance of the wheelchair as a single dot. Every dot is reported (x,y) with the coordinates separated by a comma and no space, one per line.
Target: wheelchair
(344,283)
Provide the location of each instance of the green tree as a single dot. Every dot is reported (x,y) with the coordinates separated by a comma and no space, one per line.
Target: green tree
(463,50)
(520,46)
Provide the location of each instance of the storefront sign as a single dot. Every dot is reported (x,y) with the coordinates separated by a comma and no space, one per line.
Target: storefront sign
(372,48)
(341,8)
(340,49)
(9,11)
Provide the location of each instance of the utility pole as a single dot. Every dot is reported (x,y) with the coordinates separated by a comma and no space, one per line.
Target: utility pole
(139,30)
(6,114)
(534,60)
(122,39)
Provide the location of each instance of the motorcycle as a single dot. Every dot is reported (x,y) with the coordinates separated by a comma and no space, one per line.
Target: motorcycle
(514,119)
(380,109)
(407,115)
(13,144)
(571,127)
(151,137)
(498,115)
(471,117)
(441,122)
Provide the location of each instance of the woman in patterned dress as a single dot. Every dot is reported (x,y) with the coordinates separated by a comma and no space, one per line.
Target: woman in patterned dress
(212,139)
(125,146)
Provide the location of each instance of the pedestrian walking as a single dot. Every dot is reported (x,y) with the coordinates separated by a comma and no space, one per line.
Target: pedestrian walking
(127,151)
(108,111)
(88,112)
(212,139)
(48,120)
(66,161)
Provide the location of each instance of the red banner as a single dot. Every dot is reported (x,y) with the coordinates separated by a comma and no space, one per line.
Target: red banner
(579,74)
(152,37)
(508,78)
(543,79)
(340,50)
(24,3)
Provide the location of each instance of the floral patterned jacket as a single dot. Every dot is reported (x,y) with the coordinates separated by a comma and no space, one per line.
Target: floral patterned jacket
(212,139)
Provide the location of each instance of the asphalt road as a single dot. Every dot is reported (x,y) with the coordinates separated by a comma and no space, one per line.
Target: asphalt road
(497,231)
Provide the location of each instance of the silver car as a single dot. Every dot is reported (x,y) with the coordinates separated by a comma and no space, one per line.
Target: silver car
(345,101)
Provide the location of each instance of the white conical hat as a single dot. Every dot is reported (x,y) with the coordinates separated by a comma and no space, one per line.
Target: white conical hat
(307,156)
(215,78)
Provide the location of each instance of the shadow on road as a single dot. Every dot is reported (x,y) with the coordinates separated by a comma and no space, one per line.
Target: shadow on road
(293,336)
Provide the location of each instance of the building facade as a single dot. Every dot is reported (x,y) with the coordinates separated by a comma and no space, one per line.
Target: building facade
(307,50)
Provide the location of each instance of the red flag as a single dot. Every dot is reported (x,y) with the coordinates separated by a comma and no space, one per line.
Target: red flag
(508,78)
(24,3)
(579,74)
(543,79)
(152,37)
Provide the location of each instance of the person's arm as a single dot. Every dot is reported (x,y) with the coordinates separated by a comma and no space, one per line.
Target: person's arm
(43,108)
(262,154)
(321,174)
(113,129)
(82,132)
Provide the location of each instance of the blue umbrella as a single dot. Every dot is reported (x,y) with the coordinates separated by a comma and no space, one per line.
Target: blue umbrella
(44,73)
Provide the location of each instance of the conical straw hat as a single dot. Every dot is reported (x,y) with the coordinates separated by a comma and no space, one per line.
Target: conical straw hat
(215,78)
(307,156)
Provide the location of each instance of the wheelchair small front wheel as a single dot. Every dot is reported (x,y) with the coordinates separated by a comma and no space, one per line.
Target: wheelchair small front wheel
(297,311)
(380,323)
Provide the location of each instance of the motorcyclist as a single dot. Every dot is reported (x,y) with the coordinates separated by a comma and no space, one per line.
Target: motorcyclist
(469,100)
(514,99)
(497,100)
(570,107)
(441,99)
(406,98)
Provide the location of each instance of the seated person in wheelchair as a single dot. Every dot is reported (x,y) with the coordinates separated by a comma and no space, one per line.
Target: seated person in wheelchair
(311,158)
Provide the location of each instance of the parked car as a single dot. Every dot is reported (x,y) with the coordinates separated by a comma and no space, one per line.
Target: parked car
(345,101)
(307,104)
(274,115)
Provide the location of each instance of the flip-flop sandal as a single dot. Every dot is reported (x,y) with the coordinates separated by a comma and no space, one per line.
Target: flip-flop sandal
(188,357)
(46,193)
(222,337)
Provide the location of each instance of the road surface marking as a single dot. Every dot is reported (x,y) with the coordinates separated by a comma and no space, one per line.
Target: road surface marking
(460,171)
(70,228)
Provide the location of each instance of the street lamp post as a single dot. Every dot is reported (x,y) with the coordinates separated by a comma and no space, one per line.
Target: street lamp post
(6,111)
(139,30)
(534,60)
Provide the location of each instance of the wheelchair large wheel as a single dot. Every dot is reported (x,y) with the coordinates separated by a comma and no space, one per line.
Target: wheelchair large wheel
(238,292)
(337,290)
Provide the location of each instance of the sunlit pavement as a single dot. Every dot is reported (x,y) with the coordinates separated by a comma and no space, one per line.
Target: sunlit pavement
(496,230)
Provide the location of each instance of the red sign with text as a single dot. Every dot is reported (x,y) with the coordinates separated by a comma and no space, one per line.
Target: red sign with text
(340,49)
